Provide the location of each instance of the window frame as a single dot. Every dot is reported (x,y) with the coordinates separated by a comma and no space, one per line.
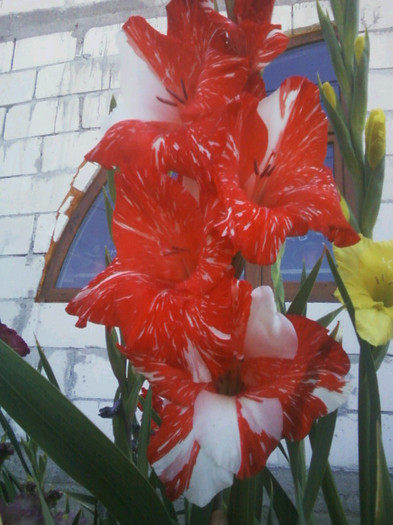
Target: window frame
(256,275)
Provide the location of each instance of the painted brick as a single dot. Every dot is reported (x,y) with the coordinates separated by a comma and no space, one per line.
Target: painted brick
(67,115)
(43,118)
(93,376)
(44,49)
(115,74)
(16,234)
(16,87)
(67,150)
(387,435)
(282,15)
(32,194)
(23,275)
(380,89)
(376,14)
(305,13)
(25,6)
(101,41)
(10,313)
(79,76)
(388,181)
(21,157)
(61,362)
(345,432)
(6,51)
(43,233)
(91,409)
(95,109)
(383,226)
(54,328)
(380,50)
(2,118)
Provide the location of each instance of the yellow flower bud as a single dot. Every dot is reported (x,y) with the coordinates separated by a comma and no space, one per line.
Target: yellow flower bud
(330,94)
(359,47)
(375,137)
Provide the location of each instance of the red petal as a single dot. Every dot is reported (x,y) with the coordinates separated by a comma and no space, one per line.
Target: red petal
(174,440)
(292,191)
(260,432)
(127,142)
(303,384)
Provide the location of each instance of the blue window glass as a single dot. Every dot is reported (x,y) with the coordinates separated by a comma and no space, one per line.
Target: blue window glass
(86,255)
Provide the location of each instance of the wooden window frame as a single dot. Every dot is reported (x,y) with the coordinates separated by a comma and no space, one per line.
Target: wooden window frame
(256,275)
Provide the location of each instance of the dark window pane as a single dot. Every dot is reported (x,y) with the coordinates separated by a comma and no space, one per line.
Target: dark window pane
(86,256)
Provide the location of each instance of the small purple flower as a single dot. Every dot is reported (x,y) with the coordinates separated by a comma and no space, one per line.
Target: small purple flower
(9,336)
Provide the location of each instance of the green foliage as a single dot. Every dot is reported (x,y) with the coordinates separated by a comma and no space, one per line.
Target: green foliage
(98,465)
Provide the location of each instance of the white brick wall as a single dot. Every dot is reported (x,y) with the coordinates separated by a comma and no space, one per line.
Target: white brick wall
(6,51)
(17,87)
(20,157)
(55,90)
(43,50)
(17,234)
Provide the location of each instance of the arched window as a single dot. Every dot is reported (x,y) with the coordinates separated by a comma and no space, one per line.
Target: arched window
(80,253)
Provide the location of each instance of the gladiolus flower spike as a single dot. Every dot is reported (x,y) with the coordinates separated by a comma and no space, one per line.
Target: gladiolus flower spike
(207,167)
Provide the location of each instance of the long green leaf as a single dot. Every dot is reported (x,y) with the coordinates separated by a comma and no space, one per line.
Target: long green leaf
(321,437)
(46,366)
(242,502)
(116,359)
(200,515)
(75,444)
(15,443)
(283,507)
(278,284)
(351,28)
(332,499)
(297,462)
(369,423)
(335,52)
(301,298)
(341,287)
(328,318)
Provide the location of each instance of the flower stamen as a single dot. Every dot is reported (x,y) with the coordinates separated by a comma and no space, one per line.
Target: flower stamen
(169,102)
(184,89)
(174,95)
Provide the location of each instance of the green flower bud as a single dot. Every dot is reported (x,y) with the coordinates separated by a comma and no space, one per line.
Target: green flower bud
(330,94)
(359,47)
(375,137)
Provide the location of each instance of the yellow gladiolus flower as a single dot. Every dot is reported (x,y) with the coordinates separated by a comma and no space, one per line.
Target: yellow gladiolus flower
(367,271)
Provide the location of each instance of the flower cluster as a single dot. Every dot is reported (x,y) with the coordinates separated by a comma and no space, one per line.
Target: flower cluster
(208,166)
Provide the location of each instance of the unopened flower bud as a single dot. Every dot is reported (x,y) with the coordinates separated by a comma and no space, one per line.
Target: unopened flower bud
(330,94)
(375,137)
(359,47)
